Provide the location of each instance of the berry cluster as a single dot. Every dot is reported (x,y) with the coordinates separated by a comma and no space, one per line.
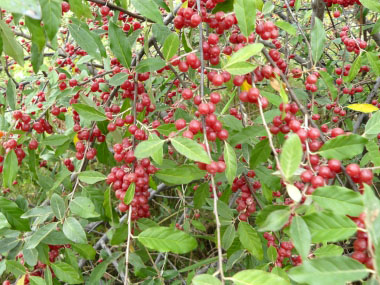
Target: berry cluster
(352,45)
(344,3)
(246,205)
(361,253)
(284,250)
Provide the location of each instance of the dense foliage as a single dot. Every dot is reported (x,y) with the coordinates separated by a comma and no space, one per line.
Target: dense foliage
(189,142)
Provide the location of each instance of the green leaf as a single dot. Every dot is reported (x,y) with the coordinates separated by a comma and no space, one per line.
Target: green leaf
(39,235)
(250,240)
(287,27)
(165,239)
(228,237)
(191,149)
(340,200)
(274,220)
(373,5)
(354,70)
(130,194)
(329,227)
(10,169)
(260,153)
(171,46)
(89,113)
(37,58)
(372,128)
(328,250)
(8,244)
(57,206)
(318,39)
(83,207)
(101,268)
(225,211)
(15,267)
(148,9)
(244,53)
(335,270)
(51,15)
(240,68)
(231,162)
(373,61)
(329,81)
(29,8)
(268,7)
(118,79)
(343,147)
(120,235)
(119,44)
(226,6)
(85,40)
(66,273)
(80,9)
(73,230)
(301,237)
(257,277)
(55,140)
(150,64)
(245,11)
(36,31)
(291,156)
(200,195)
(91,177)
(35,280)
(10,45)
(11,94)
(205,279)
(3,222)
(149,148)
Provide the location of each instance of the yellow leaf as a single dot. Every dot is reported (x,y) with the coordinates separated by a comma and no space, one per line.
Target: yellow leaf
(21,281)
(364,108)
(276,84)
(75,139)
(246,86)
(131,248)
(184,5)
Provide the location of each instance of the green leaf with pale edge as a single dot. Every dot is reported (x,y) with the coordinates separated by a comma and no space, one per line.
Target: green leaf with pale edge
(129,194)
(119,44)
(244,53)
(200,195)
(318,39)
(245,11)
(329,81)
(372,5)
(340,200)
(228,236)
(148,148)
(91,177)
(3,222)
(39,235)
(165,239)
(191,149)
(171,46)
(343,147)
(51,15)
(73,230)
(250,240)
(58,206)
(275,220)
(85,40)
(291,155)
(149,9)
(13,214)
(15,267)
(354,70)
(328,250)
(150,65)
(35,280)
(10,169)
(300,235)
(373,61)
(11,94)
(231,162)
(334,270)
(372,128)
(329,227)
(83,207)
(205,279)
(257,277)
(10,45)
(287,27)
(89,113)
(66,273)
(118,79)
